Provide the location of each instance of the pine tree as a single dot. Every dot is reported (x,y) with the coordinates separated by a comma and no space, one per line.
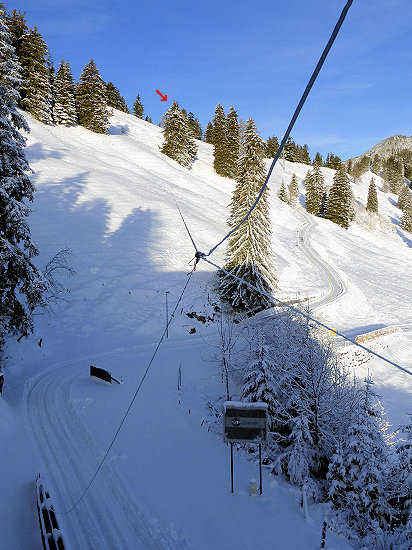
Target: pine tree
(249,249)
(232,143)
(114,99)
(178,144)
(138,108)
(358,475)
(402,499)
(289,150)
(22,286)
(282,193)
(393,174)
(315,189)
(91,100)
(406,220)
(298,458)
(259,383)
(65,96)
(36,89)
(17,28)
(194,127)
(339,207)
(405,197)
(318,160)
(272,146)
(372,202)
(376,164)
(293,191)
(209,133)
(219,140)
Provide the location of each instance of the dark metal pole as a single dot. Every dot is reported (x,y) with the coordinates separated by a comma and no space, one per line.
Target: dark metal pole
(231,464)
(260,466)
(167,316)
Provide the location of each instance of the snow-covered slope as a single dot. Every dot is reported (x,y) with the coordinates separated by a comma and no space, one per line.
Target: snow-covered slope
(111,200)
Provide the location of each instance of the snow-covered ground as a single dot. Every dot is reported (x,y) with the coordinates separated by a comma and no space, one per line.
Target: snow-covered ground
(165,484)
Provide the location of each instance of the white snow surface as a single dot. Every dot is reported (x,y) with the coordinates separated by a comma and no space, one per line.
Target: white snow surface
(166,481)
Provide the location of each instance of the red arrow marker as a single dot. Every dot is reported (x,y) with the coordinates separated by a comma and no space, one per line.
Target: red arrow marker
(164,97)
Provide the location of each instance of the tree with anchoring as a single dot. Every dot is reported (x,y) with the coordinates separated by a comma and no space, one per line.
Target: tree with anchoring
(36,89)
(178,144)
(219,140)
(114,99)
(91,100)
(293,191)
(138,108)
(65,96)
(339,208)
(372,202)
(249,247)
(232,143)
(315,189)
(22,286)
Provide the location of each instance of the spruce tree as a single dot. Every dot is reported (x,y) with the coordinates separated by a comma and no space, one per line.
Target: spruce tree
(289,150)
(376,164)
(406,220)
(219,140)
(372,202)
(209,133)
(65,96)
(293,191)
(405,197)
(339,208)
(114,99)
(315,189)
(22,286)
(17,28)
(178,143)
(138,108)
(91,100)
(402,475)
(318,160)
(272,146)
(232,143)
(358,475)
(36,89)
(282,193)
(194,127)
(249,247)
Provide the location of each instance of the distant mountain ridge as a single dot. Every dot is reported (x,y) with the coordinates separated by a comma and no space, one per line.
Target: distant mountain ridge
(386,147)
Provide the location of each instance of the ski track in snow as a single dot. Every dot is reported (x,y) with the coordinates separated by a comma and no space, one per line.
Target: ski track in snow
(107,517)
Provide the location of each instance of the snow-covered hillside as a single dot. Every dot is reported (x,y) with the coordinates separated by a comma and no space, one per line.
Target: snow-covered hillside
(111,200)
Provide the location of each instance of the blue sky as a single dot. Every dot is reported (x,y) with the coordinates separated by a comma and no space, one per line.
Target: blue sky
(254,55)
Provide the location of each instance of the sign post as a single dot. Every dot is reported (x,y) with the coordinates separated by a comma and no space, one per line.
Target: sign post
(245,423)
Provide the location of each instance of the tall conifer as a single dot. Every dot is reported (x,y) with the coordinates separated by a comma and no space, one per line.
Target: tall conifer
(138,108)
(293,191)
(91,100)
(372,202)
(271,147)
(114,99)
(249,247)
(22,286)
(219,140)
(178,143)
(65,96)
(232,143)
(315,189)
(209,133)
(36,89)
(339,208)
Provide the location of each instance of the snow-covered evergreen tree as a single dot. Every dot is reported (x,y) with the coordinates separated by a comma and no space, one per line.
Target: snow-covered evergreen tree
(315,189)
(194,126)
(376,165)
(178,144)
(22,286)
(138,108)
(36,89)
(402,478)
(405,197)
(372,202)
(271,147)
(115,99)
(17,27)
(359,490)
(219,140)
(65,96)
(249,249)
(259,382)
(282,193)
(406,220)
(91,100)
(289,150)
(339,208)
(318,160)
(293,191)
(232,143)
